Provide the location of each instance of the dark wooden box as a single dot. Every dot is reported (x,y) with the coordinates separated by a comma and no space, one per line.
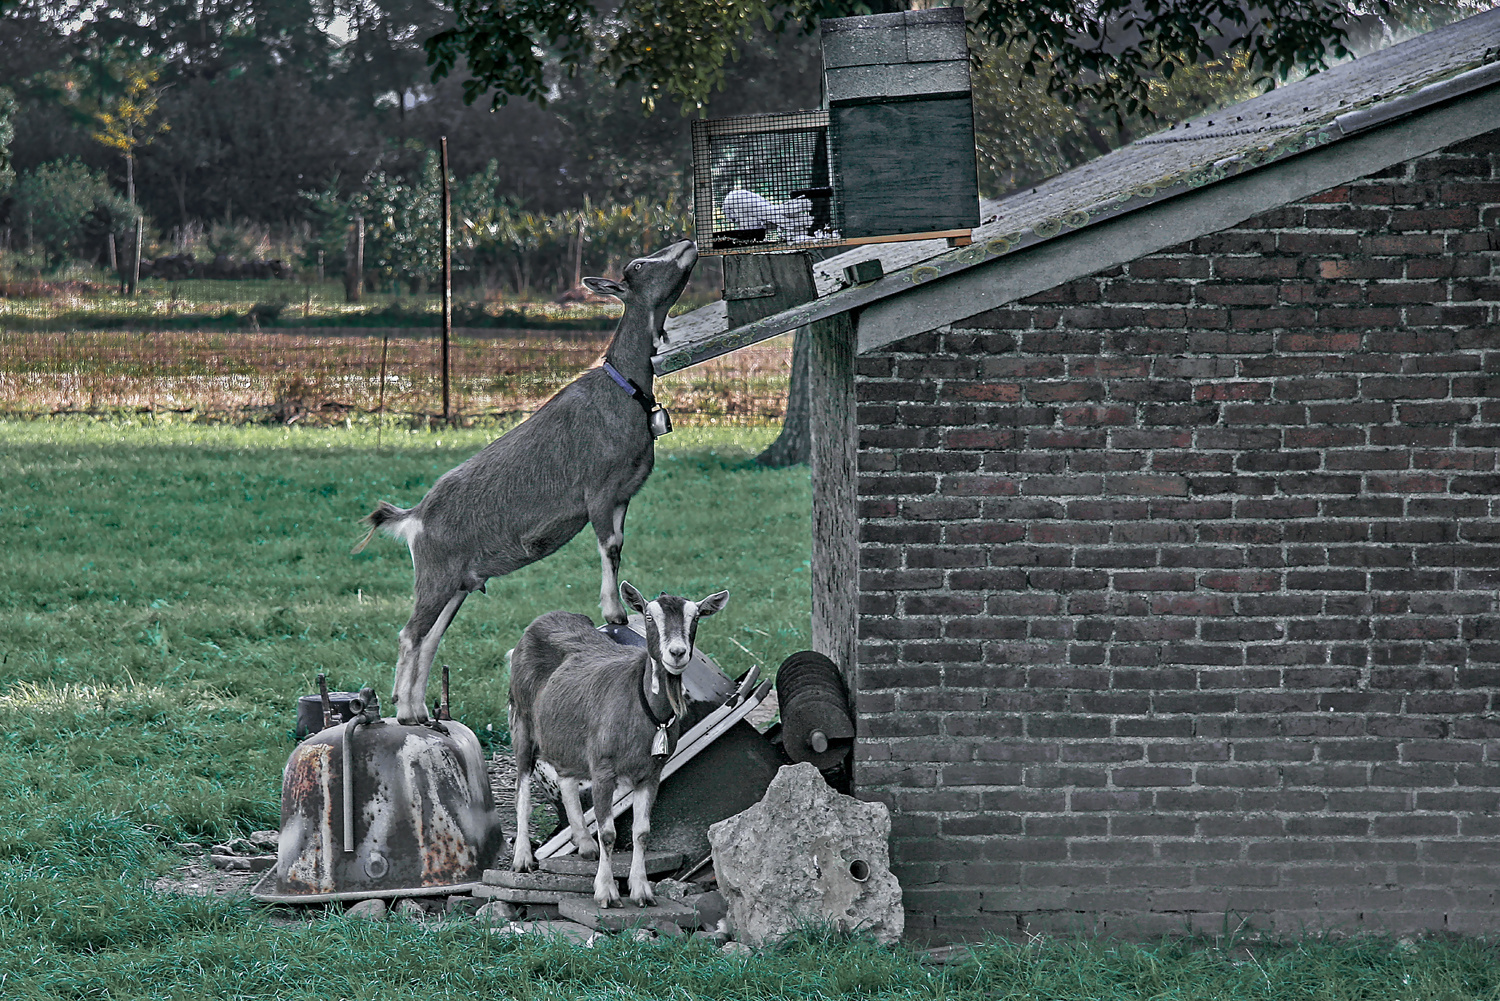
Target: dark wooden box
(905,166)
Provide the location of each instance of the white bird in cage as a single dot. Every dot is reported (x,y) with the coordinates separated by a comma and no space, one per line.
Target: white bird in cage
(747,210)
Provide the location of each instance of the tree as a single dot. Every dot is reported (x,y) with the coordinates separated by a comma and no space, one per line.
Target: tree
(125,123)
(68,209)
(1106,53)
(7,133)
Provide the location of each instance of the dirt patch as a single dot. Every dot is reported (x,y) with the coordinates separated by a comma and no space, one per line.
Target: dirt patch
(199,878)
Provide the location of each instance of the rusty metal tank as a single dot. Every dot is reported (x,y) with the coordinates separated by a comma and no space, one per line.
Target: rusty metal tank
(371,808)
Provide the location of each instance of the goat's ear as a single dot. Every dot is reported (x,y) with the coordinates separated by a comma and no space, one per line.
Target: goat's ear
(632,597)
(713,603)
(605,286)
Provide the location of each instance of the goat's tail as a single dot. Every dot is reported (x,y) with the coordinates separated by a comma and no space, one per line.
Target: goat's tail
(385,512)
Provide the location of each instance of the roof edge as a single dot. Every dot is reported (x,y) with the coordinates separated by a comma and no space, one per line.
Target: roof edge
(1342,128)
(1181,217)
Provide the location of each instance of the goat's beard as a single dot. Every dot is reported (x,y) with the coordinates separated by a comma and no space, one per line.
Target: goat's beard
(674,693)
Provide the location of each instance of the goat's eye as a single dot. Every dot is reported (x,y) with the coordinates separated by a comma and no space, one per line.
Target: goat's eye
(635,267)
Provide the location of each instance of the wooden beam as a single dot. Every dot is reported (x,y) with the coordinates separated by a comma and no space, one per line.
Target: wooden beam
(835,541)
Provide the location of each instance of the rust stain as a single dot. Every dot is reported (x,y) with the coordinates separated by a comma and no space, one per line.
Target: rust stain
(307,785)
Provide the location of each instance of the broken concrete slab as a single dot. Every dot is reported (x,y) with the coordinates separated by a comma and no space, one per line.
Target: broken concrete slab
(589,913)
(807,855)
(515,896)
(574,865)
(549,881)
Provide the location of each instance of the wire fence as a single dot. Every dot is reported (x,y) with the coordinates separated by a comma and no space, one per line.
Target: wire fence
(320,375)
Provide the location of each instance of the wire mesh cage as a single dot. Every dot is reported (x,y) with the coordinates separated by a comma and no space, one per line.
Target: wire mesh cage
(762,182)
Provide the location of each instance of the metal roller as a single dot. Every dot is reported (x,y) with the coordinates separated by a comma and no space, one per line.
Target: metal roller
(816,722)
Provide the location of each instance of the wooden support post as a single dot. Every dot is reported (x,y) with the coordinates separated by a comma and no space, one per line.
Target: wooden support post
(447,277)
(835,541)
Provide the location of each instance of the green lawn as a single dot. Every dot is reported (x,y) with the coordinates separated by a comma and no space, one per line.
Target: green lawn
(166,591)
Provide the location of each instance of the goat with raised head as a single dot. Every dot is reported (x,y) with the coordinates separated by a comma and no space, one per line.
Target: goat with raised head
(578,460)
(598,711)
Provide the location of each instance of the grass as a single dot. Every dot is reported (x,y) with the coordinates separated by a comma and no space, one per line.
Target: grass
(166,591)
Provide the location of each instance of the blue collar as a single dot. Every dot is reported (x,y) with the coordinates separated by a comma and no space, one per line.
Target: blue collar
(645,399)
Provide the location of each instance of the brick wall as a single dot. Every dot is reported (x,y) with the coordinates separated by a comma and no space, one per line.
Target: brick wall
(1178,582)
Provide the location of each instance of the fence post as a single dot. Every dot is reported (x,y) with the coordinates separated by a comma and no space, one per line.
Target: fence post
(135,258)
(354,267)
(447,276)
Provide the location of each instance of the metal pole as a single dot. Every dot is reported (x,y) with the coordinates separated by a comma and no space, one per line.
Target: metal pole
(447,277)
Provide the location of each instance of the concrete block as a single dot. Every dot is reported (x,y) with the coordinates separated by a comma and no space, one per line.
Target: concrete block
(589,913)
(806,854)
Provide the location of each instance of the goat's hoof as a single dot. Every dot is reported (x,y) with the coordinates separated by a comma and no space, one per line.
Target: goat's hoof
(522,863)
(590,852)
(648,900)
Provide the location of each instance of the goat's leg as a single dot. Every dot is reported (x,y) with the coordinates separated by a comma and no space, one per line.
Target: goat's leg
(609,526)
(606,893)
(522,860)
(418,648)
(641,800)
(573,806)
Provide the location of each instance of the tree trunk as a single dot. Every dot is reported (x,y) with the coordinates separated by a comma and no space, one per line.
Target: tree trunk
(794,445)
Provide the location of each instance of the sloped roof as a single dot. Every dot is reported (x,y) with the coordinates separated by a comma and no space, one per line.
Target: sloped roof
(1321,109)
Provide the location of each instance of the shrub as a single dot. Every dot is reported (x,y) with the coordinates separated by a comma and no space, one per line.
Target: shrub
(68,210)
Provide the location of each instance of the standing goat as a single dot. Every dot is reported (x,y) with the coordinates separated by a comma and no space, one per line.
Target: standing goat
(594,709)
(577,460)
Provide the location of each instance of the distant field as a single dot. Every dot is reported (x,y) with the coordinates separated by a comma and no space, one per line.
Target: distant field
(334,374)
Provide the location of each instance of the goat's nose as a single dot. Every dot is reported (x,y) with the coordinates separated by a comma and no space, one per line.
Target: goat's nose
(677,650)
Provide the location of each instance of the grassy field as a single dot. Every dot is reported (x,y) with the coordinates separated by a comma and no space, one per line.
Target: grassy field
(167,590)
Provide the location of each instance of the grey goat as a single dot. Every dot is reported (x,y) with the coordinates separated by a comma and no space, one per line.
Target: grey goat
(598,711)
(578,460)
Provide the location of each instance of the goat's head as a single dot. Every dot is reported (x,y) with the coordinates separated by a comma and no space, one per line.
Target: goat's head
(672,623)
(654,281)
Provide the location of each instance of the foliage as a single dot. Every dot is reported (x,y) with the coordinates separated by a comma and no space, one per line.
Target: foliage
(494,237)
(125,123)
(68,209)
(1024,134)
(1107,53)
(7,134)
